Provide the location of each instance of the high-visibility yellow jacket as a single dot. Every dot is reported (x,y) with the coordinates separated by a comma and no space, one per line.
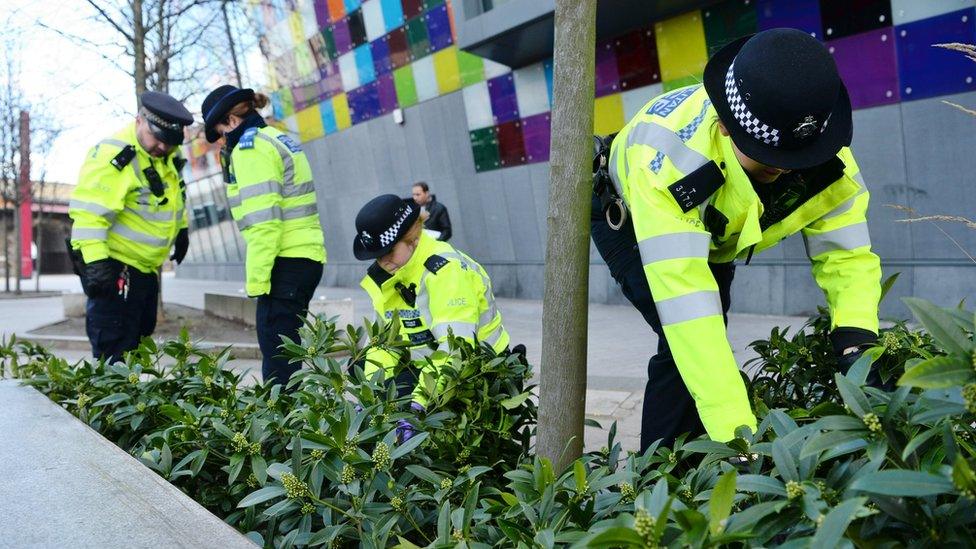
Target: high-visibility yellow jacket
(692,203)
(453,294)
(115,213)
(272,199)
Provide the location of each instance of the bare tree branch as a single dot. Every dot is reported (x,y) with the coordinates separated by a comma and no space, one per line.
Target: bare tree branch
(108,19)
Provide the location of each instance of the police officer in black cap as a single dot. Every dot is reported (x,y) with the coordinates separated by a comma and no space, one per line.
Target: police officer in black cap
(129,212)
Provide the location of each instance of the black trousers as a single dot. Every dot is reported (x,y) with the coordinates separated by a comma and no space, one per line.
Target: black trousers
(115,323)
(669,410)
(282,311)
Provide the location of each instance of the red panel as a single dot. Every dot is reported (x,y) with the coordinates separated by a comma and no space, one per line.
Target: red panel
(399,50)
(412,8)
(637,62)
(511,147)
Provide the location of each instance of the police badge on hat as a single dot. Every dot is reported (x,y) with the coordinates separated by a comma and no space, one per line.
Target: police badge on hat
(806,128)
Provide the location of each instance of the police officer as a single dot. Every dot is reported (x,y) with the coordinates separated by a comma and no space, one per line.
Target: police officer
(128,211)
(714,173)
(427,285)
(272,200)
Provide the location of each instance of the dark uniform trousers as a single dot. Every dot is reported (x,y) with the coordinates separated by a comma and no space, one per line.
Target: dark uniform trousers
(115,323)
(282,312)
(669,410)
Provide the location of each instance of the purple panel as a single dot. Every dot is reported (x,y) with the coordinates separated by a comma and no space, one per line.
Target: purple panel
(535,132)
(607,76)
(340,31)
(798,14)
(438,28)
(504,106)
(387,93)
(322,13)
(364,103)
(925,71)
(381,56)
(867,63)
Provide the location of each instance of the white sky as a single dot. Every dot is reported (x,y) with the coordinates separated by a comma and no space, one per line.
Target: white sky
(90,96)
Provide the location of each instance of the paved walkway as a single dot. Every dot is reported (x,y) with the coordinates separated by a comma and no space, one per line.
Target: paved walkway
(618,348)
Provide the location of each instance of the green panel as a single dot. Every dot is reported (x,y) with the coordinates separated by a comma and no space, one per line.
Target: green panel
(430,4)
(406,89)
(727,21)
(682,82)
(417,38)
(330,45)
(484,145)
(472,68)
(287,102)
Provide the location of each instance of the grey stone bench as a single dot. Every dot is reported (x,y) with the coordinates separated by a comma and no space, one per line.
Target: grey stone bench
(240,308)
(64,485)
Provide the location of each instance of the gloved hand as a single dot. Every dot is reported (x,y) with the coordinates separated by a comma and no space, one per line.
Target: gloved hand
(101,277)
(181,245)
(404,429)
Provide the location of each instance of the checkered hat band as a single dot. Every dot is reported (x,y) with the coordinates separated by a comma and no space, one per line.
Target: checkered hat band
(155,119)
(388,236)
(748,121)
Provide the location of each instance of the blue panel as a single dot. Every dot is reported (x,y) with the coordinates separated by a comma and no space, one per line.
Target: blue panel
(328,117)
(364,103)
(364,64)
(438,28)
(798,14)
(547,67)
(352,5)
(276,106)
(925,71)
(381,56)
(392,14)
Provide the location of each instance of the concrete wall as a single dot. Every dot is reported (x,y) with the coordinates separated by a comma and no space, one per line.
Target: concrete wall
(916,154)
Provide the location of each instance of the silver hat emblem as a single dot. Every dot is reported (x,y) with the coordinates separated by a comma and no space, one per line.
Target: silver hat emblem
(806,128)
(366,238)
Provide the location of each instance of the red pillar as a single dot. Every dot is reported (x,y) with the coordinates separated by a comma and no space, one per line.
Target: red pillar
(26,224)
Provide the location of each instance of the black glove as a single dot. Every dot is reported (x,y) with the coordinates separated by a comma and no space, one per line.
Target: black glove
(181,246)
(101,277)
(849,345)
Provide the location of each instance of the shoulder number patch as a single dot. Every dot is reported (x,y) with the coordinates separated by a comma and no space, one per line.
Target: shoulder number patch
(695,188)
(290,143)
(435,263)
(667,103)
(247,139)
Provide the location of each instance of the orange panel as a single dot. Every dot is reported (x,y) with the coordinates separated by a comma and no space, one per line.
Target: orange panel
(337,10)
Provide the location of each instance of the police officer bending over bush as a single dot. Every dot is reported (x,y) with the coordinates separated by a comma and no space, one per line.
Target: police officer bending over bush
(717,172)
(128,210)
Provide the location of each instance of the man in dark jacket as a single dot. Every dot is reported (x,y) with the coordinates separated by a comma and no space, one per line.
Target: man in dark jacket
(438,223)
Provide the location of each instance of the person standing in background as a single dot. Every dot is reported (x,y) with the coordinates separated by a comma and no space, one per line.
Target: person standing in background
(438,224)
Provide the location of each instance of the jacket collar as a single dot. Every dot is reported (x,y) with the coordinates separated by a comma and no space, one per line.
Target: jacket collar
(253,120)
(408,273)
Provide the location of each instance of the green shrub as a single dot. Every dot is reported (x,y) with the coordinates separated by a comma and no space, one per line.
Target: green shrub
(833,463)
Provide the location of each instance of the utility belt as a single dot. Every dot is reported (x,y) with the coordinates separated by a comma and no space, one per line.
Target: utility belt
(611,204)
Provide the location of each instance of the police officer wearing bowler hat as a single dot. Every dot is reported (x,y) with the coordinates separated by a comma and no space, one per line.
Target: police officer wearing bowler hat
(128,210)
(272,200)
(710,174)
(430,287)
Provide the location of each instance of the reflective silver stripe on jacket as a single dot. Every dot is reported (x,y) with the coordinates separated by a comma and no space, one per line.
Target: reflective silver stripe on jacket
(140,237)
(260,216)
(115,142)
(460,329)
(421,351)
(291,191)
(81,233)
(258,189)
(689,307)
(495,336)
(845,206)
(91,207)
(286,159)
(844,238)
(674,246)
(233,201)
(668,142)
(296,212)
(156,217)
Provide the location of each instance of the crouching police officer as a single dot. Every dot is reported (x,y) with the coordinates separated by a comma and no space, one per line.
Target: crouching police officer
(428,285)
(714,173)
(128,210)
(272,199)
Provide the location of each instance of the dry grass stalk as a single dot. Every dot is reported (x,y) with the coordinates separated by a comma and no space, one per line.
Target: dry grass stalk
(960,107)
(969,50)
(932,219)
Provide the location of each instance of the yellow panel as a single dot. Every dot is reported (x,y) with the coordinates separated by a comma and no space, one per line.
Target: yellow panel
(297,29)
(310,123)
(681,46)
(341,107)
(608,114)
(447,70)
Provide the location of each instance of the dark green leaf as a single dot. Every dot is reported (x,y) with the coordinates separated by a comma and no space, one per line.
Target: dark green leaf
(903,483)
(409,445)
(785,462)
(853,395)
(940,325)
(830,532)
(112,399)
(760,484)
(617,536)
(939,373)
(829,440)
(720,504)
(261,495)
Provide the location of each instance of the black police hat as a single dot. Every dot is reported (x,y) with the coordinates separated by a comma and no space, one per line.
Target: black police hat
(166,116)
(781,98)
(216,105)
(381,223)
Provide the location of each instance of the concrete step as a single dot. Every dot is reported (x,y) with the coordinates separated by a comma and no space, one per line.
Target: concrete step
(64,485)
(243,309)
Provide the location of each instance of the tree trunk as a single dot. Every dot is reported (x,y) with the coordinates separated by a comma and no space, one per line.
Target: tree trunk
(562,392)
(40,234)
(139,48)
(23,195)
(6,244)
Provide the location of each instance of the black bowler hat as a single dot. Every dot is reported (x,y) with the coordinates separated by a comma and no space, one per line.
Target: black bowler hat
(381,223)
(216,105)
(781,98)
(166,116)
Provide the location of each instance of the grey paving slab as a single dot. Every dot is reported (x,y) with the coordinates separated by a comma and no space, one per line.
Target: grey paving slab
(64,485)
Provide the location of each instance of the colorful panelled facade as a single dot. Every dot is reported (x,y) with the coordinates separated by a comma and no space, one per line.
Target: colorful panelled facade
(336,63)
